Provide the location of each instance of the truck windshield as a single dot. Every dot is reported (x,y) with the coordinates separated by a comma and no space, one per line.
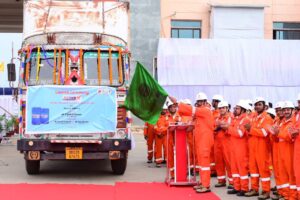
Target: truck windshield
(43,74)
(109,72)
(100,74)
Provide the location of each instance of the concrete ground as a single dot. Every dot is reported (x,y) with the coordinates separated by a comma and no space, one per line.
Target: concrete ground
(12,169)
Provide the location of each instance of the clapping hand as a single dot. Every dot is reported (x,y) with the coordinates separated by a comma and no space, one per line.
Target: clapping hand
(294,132)
(247,127)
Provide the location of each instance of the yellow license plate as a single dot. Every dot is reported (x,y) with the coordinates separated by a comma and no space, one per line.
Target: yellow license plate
(74,153)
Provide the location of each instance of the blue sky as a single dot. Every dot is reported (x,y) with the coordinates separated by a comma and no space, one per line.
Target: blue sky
(6,40)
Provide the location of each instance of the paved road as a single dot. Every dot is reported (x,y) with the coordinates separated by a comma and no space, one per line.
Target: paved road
(12,170)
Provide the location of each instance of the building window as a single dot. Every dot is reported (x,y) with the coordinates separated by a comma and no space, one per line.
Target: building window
(286,31)
(185,29)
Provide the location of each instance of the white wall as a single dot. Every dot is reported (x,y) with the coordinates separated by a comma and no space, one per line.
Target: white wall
(237,22)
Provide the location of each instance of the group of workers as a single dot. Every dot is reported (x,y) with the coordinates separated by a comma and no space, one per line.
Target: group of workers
(245,146)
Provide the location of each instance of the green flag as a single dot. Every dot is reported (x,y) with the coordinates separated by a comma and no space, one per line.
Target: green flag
(145,97)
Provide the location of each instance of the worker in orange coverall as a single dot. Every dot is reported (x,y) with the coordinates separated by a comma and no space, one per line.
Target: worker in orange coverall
(259,150)
(160,136)
(294,131)
(190,138)
(222,147)
(275,151)
(149,134)
(286,154)
(172,117)
(215,102)
(204,139)
(239,151)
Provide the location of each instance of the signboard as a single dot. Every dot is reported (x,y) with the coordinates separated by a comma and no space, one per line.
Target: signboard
(76,16)
(71,109)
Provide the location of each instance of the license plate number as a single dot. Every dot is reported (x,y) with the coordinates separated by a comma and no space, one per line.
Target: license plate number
(74,153)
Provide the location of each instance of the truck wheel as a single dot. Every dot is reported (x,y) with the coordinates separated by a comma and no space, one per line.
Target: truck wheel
(119,166)
(32,166)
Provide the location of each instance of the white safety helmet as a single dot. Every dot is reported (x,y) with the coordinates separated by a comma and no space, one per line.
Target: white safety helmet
(249,107)
(223,104)
(288,104)
(298,99)
(258,99)
(186,101)
(165,106)
(249,104)
(271,111)
(244,104)
(217,97)
(279,104)
(168,103)
(201,96)
(249,101)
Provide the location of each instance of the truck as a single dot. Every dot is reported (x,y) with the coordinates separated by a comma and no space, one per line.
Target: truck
(73,79)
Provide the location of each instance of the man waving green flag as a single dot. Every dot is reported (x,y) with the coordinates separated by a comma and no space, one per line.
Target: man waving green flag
(145,97)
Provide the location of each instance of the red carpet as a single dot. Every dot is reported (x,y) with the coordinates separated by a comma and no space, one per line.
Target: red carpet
(158,191)
(121,191)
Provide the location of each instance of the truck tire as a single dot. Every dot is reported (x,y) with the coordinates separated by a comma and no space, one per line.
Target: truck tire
(32,166)
(119,166)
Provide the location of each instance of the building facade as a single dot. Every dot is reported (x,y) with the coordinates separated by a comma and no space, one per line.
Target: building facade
(280,19)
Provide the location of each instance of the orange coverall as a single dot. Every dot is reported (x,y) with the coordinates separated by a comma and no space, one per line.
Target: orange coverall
(149,133)
(275,157)
(216,114)
(163,127)
(296,124)
(204,139)
(160,138)
(222,151)
(239,152)
(170,142)
(260,151)
(286,155)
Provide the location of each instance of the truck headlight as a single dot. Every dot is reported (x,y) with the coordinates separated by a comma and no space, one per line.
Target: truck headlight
(121,133)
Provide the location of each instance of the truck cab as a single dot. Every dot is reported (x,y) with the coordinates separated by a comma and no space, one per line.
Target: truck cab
(72,86)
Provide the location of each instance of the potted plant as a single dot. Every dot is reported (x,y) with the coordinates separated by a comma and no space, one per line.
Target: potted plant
(11,125)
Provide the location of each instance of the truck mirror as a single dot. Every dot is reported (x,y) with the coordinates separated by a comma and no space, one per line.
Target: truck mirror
(11,72)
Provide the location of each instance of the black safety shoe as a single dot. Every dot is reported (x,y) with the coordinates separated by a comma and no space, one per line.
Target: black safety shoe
(220,185)
(233,191)
(241,193)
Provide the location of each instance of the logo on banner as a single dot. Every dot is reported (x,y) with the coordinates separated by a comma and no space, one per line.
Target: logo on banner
(72,98)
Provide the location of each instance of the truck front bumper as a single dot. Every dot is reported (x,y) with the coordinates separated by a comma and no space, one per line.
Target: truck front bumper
(46,150)
(46,145)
